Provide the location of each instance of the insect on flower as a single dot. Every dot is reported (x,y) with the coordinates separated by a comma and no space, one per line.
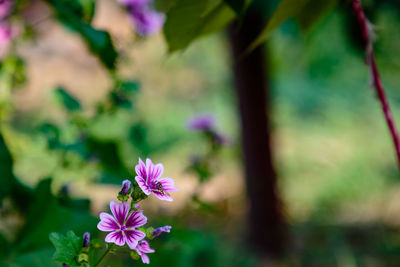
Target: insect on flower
(148,179)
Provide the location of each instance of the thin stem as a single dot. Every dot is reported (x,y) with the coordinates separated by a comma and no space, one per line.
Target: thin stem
(365,28)
(105,254)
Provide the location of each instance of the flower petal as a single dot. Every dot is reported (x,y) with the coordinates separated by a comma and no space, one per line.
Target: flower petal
(162,196)
(136,219)
(141,169)
(120,211)
(133,237)
(168,185)
(145,258)
(116,237)
(142,184)
(145,247)
(154,171)
(107,223)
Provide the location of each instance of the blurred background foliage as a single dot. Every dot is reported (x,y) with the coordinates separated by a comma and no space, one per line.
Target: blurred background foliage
(84,119)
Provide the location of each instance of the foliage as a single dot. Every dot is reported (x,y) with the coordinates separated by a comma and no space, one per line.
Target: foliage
(67,247)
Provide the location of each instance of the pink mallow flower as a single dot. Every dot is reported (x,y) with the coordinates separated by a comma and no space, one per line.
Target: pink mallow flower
(150,182)
(122,225)
(142,248)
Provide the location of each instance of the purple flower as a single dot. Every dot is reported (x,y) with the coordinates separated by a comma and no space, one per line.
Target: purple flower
(5,8)
(201,123)
(147,21)
(160,230)
(135,4)
(86,239)
(142,248)
(149,180)
(5,38)
(126,186)
(122,225)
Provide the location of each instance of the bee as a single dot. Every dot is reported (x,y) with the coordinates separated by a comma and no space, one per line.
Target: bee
(160,188)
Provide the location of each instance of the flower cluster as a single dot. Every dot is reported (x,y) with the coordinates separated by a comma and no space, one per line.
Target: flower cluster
(6,7)
(145,19)
(126,221)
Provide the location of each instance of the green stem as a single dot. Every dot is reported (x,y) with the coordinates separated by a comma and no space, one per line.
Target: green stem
(105,254)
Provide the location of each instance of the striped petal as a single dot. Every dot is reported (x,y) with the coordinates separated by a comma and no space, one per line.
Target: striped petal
(107,223)
(120,211)
(116,237)
(136,219)
(133,237)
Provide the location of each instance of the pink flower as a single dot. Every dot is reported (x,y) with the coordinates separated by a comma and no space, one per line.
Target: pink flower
(142,248)
(147,21)
(5,8)
(122,225)
(5,38)
(150,182)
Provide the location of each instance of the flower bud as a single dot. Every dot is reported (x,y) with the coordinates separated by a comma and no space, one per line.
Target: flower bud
(125,191)
(86,240)
(160,230)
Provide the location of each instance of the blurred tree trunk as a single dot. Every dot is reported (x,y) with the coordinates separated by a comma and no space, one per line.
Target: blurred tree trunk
(265,224)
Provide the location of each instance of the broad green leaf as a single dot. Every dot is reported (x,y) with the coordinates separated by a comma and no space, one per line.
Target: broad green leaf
(67,247)
(285,10)
(190,19)
(67,100)
(98,41)
(313,11)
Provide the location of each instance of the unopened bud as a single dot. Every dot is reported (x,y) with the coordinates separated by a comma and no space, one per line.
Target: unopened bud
(160,230)
(86,240)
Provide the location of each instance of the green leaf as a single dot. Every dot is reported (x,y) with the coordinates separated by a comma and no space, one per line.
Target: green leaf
(67,100)
(67,247)
(81,9)
(6,164)
(313,11)
(98,41)
(285,10)
(163,5)
(46,215)
(239,6)
(190,19)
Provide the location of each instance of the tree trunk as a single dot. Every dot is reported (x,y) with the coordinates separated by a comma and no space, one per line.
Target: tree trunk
(265,223)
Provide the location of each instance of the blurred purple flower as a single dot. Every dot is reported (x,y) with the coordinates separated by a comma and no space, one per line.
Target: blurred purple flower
(160,230)
(135,4)
(122,225)
(149,180)
(126,186)
(5,8)
(145,19)
(5,38)
(86,239)
(142,248)
(201,123)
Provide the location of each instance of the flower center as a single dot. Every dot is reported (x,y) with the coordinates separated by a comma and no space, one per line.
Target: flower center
(123,227)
